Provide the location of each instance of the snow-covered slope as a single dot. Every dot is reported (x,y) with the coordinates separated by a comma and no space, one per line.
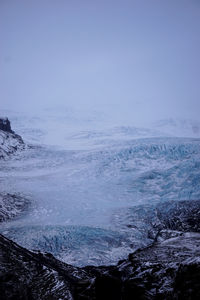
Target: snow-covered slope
(9,141)
(11,205)
(9,144)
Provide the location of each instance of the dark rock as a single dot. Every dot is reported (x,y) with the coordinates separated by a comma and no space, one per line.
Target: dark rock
(28,275)
(153,272)
(186,283)
(149,220)
(10,142)
(107,287)
(180,215)
(165,270)
(5,125)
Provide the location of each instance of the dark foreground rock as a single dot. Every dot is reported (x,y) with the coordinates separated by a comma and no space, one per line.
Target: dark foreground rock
(166,270)
(25,275)
(5,125)
(155,272)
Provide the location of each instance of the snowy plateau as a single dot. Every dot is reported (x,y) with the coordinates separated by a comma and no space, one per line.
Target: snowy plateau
(114,208)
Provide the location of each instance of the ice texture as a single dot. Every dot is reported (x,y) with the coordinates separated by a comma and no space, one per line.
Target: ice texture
(82,191)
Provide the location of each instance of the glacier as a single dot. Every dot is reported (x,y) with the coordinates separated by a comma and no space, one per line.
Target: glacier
(81,192)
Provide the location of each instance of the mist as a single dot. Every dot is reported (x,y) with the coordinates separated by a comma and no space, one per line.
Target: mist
(132,60)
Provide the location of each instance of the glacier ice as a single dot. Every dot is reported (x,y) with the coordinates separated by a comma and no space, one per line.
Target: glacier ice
(79,196)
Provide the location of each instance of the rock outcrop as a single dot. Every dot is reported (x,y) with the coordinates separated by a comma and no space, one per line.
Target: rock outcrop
(5,125)
(10,142)
(11,205)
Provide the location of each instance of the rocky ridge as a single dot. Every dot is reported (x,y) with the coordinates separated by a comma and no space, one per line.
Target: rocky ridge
(11,205)
(10,142)
(5,125)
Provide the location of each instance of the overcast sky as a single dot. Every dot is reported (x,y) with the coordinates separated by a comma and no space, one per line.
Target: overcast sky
(139,58)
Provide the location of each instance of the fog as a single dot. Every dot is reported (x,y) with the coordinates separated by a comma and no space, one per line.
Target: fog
(128,59)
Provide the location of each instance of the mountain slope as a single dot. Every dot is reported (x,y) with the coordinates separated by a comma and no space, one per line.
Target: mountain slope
(11,205)
(10,142)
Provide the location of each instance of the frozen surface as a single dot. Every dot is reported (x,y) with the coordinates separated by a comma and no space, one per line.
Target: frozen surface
(79,189)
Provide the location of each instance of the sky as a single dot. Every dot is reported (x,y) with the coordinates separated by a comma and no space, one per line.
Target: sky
(135,59)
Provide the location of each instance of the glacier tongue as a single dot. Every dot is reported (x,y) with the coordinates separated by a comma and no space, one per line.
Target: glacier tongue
(85,194)
(89,189)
